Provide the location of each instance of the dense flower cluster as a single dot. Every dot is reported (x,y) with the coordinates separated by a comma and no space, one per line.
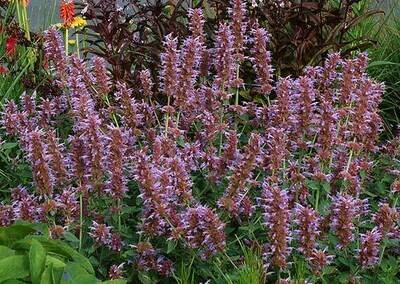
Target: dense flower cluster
(147,258)
(103,236)
(277,217)
(194,165)
(369,251)
(203,230)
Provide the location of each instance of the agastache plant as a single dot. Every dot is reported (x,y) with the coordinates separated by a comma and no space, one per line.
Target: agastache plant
(184,165)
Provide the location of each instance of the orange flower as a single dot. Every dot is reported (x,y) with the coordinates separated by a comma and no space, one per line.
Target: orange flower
(11,44)
(25,3)
(67,12)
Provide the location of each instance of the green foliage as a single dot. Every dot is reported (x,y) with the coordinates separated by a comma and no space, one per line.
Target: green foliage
(252,270)
(27,254)
(385,67)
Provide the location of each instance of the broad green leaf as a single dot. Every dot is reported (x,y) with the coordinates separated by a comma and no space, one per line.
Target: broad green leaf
(58,248)
(18,231)
(51,274)
(37,259)
(71,237)
(86,279)
(13,281)
(56,274)
(75,273)
(116,281)
(5,252)
(14,233)
(47,275)
(14,267)
(55,262)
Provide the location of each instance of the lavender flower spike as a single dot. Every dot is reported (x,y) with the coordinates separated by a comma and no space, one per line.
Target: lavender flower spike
(369,250)
(116,148)
(238,12)
(276,215)
(54,51)
(262,60)
(169,61)
(39,158)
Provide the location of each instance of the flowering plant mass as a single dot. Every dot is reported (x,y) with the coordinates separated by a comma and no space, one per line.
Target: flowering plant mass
(204,175)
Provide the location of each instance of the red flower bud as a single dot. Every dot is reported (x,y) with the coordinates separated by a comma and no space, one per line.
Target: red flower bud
(11,44)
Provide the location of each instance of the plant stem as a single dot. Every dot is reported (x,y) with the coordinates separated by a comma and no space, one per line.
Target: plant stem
(119,215)
(221,134)
(66,41)
(237,89)
(17,7)
(395,202)
(155,112)
(167,117)
(77,45)
(317,198)
(221,119)
(80,220)
(113,114)
(349,160)
(26,22)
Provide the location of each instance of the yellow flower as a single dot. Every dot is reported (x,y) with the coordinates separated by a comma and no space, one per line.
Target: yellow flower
(78,22)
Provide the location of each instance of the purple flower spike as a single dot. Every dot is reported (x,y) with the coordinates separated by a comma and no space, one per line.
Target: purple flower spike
(116,158)
(276,215)
(369,248)
(262,60)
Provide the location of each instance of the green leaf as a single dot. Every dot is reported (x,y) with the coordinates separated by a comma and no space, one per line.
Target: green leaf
(13,281)
(145,278)
(117,281)
(14,267)
(326,187)
(20,230)
(47,275)
(14,233)
(209,12)
(37,260)
(381,63)
(86,279)
(56,274)
(58,248)
(75,273)
(171,245)
(55,262)
(68,236)
(5,252)
(6,146)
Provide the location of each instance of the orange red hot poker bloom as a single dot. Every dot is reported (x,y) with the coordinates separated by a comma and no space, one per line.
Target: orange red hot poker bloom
(67,12)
